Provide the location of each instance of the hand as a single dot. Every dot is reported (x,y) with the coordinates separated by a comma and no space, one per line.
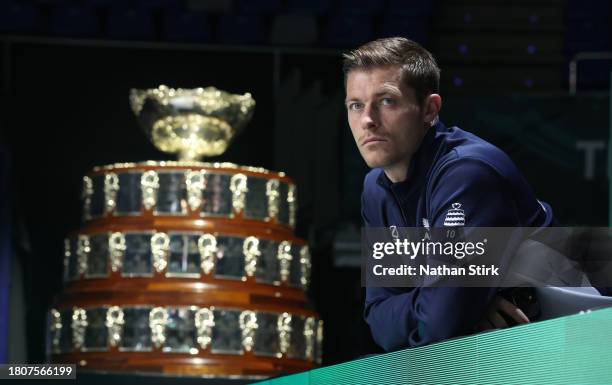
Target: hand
(493,318)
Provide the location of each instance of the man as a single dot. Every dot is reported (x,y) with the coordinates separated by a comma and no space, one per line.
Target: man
(421,170)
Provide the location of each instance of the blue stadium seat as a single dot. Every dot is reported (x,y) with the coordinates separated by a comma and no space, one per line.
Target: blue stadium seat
(412,8)
(104,3)
(588,9)
(318,7)
(74,21)
(210,6)
(361,7)
(186,26)
(349,30)
(49,2)
(130,24)
(157,4)
(587,26)
(587,35)
(240,29)
(457,81)
(416,29)
(258,7)
(294,29)
(17,17)
(594,75)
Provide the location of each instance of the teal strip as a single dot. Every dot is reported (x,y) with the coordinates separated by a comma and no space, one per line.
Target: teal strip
(569,350)
(294,379)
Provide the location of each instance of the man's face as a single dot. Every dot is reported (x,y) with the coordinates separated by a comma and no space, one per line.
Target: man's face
(384,116)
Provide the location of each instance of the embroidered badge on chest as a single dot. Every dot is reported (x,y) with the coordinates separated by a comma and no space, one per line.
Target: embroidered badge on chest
(455,216)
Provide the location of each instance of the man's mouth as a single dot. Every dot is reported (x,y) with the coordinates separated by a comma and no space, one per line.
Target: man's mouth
(373,139)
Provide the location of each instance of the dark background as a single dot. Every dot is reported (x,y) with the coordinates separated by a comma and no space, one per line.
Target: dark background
(67,66)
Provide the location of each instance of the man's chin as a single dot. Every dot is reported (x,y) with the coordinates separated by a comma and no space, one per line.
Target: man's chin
(377,160)
(376,163)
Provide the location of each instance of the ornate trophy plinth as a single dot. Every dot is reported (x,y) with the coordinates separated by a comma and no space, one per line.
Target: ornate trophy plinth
(184,267)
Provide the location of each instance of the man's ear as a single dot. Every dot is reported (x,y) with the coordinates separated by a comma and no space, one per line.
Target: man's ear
(431,107)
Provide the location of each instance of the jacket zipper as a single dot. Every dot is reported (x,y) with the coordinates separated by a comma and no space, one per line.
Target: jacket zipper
(397,201)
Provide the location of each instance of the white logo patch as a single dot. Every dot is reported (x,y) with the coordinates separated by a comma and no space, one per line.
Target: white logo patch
(455,216)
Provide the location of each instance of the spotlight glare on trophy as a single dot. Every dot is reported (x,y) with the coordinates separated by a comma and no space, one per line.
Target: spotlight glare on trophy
(186,267)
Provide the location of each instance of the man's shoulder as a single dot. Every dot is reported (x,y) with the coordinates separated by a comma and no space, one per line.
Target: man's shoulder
(464,148)
(474,172)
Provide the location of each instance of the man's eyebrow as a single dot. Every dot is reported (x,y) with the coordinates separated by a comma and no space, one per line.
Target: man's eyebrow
(384,89)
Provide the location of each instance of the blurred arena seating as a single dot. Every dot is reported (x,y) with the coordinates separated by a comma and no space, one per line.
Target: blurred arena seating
(515,45)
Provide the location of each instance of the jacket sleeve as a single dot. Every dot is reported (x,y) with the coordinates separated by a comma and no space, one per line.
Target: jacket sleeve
(409,317)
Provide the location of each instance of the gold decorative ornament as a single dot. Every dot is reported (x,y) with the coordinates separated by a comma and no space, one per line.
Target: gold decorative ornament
(283,327)
(176,134)
(204,321)
(149,183)
(114,322)
(194,180)
(86,195)
(160,246)
(284,257)
(79,323)
(83,249)
(111,188)
(309,335)
(158,319)
(248,326)
(55,328)
(250,249)
(191,122)
(238,187)
(319,356)
(116,246)
(67,254)
(305,266)
(207,244)
(292,201)
(273,193)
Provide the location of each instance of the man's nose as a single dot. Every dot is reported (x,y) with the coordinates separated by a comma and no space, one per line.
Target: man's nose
(369,118)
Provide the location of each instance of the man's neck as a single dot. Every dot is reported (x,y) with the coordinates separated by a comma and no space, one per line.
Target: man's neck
(397,173)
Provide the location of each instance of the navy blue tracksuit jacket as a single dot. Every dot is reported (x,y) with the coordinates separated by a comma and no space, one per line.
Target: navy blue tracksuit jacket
(452,167)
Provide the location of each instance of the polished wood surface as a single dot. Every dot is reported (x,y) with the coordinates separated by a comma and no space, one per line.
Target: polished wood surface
(202,364)
(226,226)
(172,292)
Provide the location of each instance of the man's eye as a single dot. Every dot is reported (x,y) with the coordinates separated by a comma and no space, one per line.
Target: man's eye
(355,106)
(387,101)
